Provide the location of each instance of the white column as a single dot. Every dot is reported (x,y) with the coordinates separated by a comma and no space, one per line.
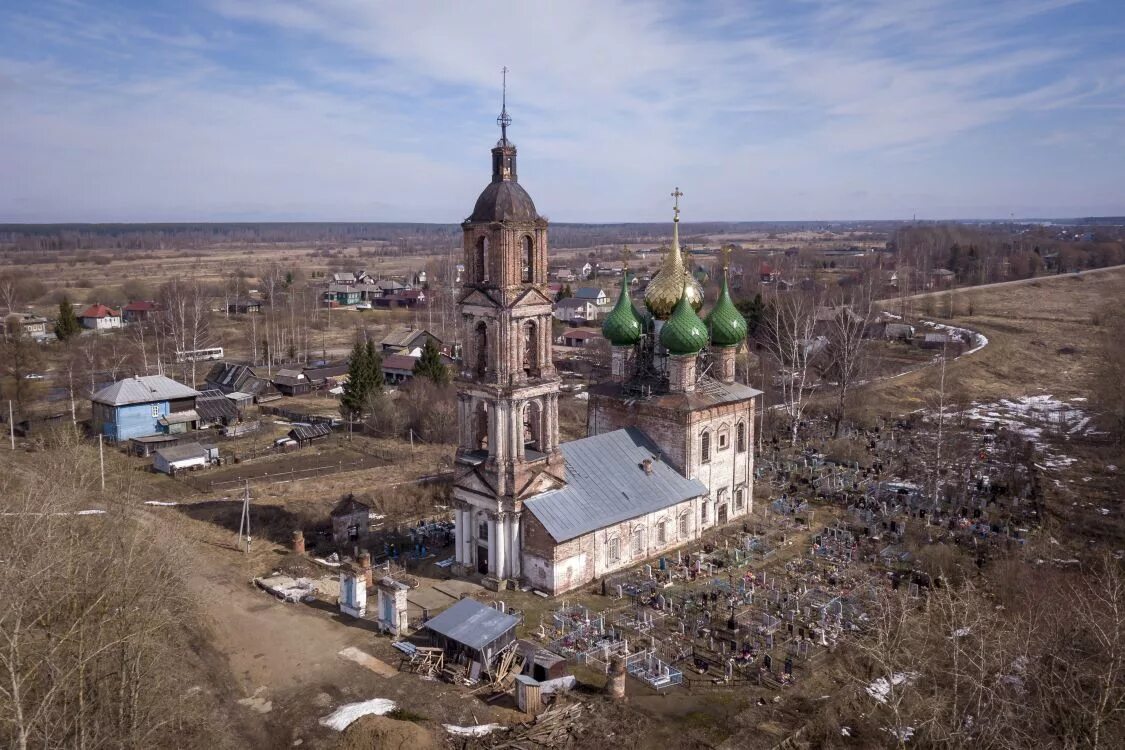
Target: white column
(515,553)
(492,534)
(501,546)
(467,539)
(460,532)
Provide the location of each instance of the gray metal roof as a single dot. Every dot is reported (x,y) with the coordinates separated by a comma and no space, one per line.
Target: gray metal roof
(607,484)
(143,389)
(472,624)
(174,453)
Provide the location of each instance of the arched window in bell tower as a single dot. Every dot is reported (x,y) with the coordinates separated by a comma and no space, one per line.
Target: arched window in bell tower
(480,427)
(528,257)
(531,363)
(533,426)
(480,260)
(480,349)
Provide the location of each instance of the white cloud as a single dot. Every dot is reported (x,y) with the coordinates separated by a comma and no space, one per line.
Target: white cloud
(382,110)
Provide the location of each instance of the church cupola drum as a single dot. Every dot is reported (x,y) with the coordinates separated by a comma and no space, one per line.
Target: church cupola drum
(507,386)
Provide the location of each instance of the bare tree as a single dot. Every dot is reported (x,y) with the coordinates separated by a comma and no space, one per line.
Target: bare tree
(846,355)
(185,315)
(790,321)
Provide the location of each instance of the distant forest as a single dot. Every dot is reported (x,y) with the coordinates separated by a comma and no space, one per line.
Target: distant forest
(54,237)
(438,237)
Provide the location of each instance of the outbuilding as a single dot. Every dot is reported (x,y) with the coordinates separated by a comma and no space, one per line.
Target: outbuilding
(184,457)
(470,631)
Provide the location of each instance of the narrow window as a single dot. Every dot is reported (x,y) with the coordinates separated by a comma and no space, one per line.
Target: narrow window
(703,510)
(705,448)
(482,531)
(662,533)
(740,437)
(684,526)
(739,498)
(638,541)
(724,439)
(156,410)
(528,260)
(612,551)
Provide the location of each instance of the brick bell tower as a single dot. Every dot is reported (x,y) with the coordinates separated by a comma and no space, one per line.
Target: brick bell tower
(507,388)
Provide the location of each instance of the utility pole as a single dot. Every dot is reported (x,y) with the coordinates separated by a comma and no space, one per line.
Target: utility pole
(101,458)
(244,521)
(11,425)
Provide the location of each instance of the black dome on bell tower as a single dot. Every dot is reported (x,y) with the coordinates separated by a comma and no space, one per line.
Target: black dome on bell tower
(504,199)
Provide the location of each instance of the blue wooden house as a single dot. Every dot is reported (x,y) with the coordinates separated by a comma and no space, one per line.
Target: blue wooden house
(143,405)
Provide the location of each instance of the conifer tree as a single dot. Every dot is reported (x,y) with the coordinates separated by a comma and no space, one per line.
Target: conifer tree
(67,325)
(429,365)
(355,390)
(373,362)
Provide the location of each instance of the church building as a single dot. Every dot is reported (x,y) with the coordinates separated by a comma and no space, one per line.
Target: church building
(669,451)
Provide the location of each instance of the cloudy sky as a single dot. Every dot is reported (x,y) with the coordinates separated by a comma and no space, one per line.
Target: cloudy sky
(217,110)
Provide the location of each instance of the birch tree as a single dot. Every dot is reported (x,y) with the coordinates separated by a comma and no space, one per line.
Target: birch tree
(789,324)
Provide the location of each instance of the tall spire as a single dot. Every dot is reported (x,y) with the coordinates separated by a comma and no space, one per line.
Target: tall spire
(504,120)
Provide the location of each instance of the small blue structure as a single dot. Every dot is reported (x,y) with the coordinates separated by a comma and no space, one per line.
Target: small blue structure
(143,405)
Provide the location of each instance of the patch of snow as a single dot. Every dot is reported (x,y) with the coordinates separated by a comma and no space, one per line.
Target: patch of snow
(342,717)
(89,512)
(880,687)
(480,730)
(962,632)
(845,731)
(330,564)
(161,503)
(902,733)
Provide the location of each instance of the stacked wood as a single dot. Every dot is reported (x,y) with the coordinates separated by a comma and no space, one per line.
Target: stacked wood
(552,728)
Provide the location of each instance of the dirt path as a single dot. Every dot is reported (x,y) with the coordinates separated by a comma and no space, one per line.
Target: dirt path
(1002,284)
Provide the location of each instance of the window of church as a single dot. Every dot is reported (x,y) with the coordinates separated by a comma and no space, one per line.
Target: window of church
(612,551)
(638,541)
(482,531)
(684,526)
(724,439)
(705,448)
(739,498)
(740,437)
(528,260)
(662,533)
(703,511)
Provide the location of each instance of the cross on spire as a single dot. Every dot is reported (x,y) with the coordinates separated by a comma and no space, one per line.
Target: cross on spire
(676,207)
(504,120)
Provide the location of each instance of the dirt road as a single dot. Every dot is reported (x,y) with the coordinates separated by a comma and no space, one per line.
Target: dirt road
(1002,284)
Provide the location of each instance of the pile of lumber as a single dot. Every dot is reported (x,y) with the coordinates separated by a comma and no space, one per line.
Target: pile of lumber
(552,728)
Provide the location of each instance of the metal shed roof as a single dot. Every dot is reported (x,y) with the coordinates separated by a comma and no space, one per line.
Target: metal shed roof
(310,431)
(187,451)
(212,406)
(607,484)
(472,624)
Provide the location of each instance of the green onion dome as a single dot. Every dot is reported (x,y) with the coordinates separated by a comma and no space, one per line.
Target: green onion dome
(727,326)
(683,332)
(623,327)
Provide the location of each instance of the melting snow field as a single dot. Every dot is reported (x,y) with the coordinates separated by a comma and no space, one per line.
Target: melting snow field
(1034,418)
(343,716)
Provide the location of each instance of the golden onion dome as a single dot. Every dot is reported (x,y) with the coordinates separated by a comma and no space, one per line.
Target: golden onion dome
(668,284)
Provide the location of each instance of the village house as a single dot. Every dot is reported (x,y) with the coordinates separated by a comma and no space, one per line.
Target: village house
(593,294)
(99,317)
(230,378)
(26,324)
(399,368)
(244,306)
(291,382)
(574,309)
(767,274)
(408,340)
(342,295)
(409,298)
(143,405)
(578,336)
(215,409)
(139,310)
